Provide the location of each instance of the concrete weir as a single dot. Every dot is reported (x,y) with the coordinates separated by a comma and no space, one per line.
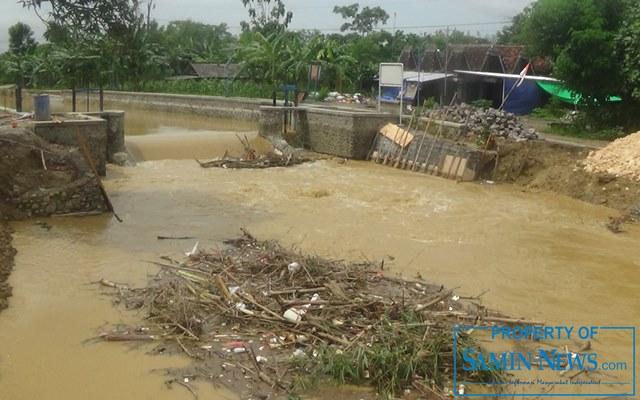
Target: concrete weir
(351,133)
(344,132)
(340,132)
(103,133)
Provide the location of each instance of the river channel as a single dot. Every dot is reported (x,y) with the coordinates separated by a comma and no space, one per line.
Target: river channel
(540,256)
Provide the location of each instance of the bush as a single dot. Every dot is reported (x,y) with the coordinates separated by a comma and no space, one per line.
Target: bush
(553,110)
(482,103)
(212,87)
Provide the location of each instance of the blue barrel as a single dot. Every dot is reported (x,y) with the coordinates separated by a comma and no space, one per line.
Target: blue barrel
(42,107)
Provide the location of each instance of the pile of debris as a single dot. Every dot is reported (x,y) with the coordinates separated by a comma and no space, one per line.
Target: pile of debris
(250,159)
(282,320)
(269,160)
(484,121)
(620,158)
(356,98)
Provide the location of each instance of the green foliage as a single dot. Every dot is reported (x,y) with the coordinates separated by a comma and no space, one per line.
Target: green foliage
(482,103)
(579,130)
(593,45)
(553,110)
(362,21)
(21,39)
(186,41)
(266,16)
(628,48)
(94,17)
(323,93)
(213,87)
(405,350)
(578,35)
(125,48)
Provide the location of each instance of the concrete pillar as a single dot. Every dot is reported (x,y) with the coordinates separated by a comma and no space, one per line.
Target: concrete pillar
(115,132)
(271,121)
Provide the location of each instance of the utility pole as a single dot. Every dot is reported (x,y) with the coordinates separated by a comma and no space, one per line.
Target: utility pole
(394,23)
(446,65)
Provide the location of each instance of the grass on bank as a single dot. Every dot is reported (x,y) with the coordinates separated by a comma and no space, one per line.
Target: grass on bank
(564,120)
(406,353)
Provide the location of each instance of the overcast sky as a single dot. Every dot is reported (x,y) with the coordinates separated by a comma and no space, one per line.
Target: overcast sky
(475,16)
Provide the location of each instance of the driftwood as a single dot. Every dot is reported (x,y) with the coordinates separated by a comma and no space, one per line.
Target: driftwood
(265,161)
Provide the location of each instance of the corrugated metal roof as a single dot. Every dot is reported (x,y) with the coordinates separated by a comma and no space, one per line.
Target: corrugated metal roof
(415,76)
(209,70)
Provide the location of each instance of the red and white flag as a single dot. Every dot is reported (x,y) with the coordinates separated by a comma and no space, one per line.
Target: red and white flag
(523,73)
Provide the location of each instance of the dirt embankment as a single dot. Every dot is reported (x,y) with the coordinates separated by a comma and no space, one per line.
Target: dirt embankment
(6,261)
(560,168)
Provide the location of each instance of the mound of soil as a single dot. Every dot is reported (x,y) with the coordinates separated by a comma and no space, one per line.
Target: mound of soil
(21,163)
(620,158)
(560,168)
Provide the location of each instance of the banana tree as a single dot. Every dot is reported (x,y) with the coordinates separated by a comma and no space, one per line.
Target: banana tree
(338,62)
(262,56)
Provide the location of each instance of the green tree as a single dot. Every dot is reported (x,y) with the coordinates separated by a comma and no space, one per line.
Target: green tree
(362,21)
(186,41)
(266,16)
(21,39)
(94,17)
(578,36)
(262,56)
(628,48)
(104,39)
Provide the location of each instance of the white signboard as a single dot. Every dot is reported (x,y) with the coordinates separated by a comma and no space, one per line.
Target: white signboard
(391,74)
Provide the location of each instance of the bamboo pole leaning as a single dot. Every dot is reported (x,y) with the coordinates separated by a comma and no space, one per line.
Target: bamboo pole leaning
(440,129)
(424,135)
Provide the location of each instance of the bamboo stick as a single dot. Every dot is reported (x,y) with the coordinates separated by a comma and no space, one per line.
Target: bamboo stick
(440,129)
(424,135)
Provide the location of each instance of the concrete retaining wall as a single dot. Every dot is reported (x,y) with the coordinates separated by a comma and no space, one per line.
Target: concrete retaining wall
(212,106)
(115,132)
(344,133)
(94,131)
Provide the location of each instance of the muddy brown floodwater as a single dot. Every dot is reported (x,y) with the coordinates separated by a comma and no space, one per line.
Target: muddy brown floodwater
(542,256)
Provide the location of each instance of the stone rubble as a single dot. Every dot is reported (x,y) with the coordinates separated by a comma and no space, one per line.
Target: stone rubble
(480,121)
(42,179)
(620,158)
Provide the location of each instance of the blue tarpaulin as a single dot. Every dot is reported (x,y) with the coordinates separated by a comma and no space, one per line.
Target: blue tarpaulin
(390,93)
(522,99)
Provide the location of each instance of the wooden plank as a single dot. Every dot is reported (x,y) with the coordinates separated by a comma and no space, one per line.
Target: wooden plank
(448,162)
(453,171)
(398,135)
(462,167)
